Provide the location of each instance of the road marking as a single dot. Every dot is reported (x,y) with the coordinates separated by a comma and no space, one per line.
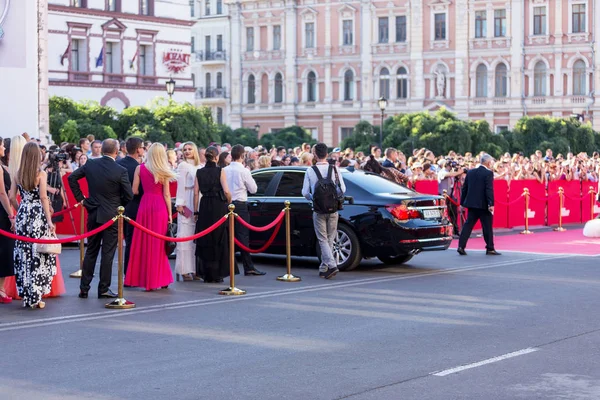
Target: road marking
(194,303)
(485,362)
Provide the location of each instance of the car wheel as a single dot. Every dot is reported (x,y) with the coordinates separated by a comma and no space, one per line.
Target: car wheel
(396,260)
(346,248)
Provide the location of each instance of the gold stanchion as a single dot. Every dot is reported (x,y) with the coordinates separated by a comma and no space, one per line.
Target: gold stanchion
(526,231)
(120,302)
(592,193)
(232,290)
(77,274)
(561,194)
(288,277)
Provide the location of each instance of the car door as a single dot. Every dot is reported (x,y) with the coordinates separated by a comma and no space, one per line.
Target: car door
(266,182)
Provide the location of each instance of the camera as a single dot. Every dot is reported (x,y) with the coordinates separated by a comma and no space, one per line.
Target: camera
(56,157)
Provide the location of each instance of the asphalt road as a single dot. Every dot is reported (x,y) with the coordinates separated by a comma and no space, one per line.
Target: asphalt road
(442,327)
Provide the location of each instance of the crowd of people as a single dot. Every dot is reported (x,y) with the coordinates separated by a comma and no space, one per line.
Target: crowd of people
(208,179)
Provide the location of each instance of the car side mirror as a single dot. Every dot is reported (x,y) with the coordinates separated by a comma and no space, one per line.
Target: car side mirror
(349,199)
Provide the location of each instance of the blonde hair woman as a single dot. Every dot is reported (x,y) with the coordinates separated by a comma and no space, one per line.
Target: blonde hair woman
(185,262)
(148,262)
(16,151)
(306,159)
(264,162)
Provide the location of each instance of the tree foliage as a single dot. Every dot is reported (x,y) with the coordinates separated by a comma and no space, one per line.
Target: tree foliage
(244,136)
(289,137)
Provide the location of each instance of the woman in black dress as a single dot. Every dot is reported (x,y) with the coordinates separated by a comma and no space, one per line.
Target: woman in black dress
(212,250)
(7,221)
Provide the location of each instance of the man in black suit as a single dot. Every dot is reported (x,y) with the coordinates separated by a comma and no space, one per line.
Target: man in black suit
(135,152)
(478,197)
(109,188)
(391,157)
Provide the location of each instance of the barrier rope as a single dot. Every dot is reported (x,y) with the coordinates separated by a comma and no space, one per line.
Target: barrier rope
(179,239)
(452,201)
(266,245)
(510,203)
(544,199)
(262,228)
(66,210)
(580,199)
(57,241)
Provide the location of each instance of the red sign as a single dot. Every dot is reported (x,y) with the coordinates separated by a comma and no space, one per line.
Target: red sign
(176,60)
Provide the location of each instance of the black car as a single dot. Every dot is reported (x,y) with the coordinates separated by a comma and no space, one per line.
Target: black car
(380,218)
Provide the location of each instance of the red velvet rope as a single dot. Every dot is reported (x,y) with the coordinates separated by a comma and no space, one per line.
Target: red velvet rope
(180,239)
(266,246)
(580,199)
(452,201)
(66,210)
(55,241)
(510,203)
(263,228)
(544,199)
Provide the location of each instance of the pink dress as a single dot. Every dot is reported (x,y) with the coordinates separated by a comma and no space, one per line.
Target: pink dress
(148,263)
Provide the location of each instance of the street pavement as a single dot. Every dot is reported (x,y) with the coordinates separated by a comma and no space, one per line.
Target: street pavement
(518,326)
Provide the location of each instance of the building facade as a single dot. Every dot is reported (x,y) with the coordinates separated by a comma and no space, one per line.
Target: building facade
(324,64)
(120,52)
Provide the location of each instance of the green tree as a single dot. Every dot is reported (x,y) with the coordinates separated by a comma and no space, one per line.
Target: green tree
(363,136)
(69,132)
(244,136)
(289,137)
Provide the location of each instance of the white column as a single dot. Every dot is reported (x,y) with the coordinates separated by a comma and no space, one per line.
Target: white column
(43,106)
(416,53)
(291,97)
(235,64)
(517,39)
(461,62)
(366,38)
(558,21)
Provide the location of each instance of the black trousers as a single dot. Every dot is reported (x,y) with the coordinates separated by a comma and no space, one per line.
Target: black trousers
(242,234)
(486,218)
(107,241)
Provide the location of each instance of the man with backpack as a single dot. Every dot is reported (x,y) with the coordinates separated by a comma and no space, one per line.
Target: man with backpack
(324,186)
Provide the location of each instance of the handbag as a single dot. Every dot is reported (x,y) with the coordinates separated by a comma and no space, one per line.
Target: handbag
(47,248)
(172,233)
(341,198)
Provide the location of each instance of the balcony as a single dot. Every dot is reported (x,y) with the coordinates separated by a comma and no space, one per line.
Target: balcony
(207,56)
(259,55)
(211,93)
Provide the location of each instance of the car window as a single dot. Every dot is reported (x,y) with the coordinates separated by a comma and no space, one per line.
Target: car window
(374,183)
(290,184)
(262,180)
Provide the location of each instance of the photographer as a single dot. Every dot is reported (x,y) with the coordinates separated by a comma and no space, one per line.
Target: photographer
(449,171)
(55,169)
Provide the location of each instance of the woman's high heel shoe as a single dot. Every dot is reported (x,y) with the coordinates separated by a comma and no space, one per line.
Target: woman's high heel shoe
(39,304)
(4,299)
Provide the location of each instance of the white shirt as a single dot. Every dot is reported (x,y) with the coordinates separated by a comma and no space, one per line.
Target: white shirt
(239,181)
(310,179)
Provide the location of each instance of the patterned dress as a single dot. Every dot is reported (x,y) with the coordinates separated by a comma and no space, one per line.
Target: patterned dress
(34,271)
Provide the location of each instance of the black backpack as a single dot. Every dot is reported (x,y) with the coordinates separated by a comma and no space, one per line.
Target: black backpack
(325,197)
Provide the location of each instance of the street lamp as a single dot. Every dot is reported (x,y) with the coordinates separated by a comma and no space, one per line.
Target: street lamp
(257,128)
(170,85)
(382,105)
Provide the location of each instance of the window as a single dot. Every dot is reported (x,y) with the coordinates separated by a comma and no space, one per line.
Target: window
(348,85)
(539,20)
(75,56)
(219,116)
(384,83)
(219,42)
(108,50)
(309,35)
(313,132)
(192,11)
(401,83)
(263,179)
(207,82)
(146,60)
(276,37)
(440,26)
(278,88)
(193,44)
(383,30)
(481,81)
(345,133)
(578,18)
(219,80)
(219,7)
(500,23)
(290,184)
(539,79)
(251,90)
(401,29)
(480,24)
(113,5)
(206,7)
(311,87)
(250,39)
(348,40)
(146,7)
(579,88)
(501,86)
(501,128)
(207,47)
(79,3)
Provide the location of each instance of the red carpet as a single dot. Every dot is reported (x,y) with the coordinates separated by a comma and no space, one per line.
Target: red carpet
(571,241)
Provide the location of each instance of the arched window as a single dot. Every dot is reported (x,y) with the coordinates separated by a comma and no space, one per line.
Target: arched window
(348,85)
(219,80)
(311,87)
(251,90)
(278,88)
(501,86)
(539,79)
(207,82)
(401,83)
(481,81)
(219,116)
(579,78)
(384,83)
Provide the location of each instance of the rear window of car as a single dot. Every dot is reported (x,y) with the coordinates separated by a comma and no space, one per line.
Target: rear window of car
(374,183)
(263,179)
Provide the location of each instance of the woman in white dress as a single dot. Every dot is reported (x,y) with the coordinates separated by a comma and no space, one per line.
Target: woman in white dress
(185,262)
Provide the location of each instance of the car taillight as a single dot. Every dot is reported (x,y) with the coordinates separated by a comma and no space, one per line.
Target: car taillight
(402,213)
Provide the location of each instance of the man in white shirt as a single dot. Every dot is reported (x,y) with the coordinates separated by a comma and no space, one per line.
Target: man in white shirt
(240,183)
(96,150)
(325,224)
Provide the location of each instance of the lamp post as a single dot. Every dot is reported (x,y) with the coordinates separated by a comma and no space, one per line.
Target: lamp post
(170,86)
(257,128)
(382,105)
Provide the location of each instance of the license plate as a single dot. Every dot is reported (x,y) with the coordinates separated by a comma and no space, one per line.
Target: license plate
(430,214)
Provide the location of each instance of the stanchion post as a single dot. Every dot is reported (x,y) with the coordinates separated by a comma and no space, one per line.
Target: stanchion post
(232,290)
(288,277)
(120,302)
(561,195)
(526,195)
(77,274)
(592,193)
